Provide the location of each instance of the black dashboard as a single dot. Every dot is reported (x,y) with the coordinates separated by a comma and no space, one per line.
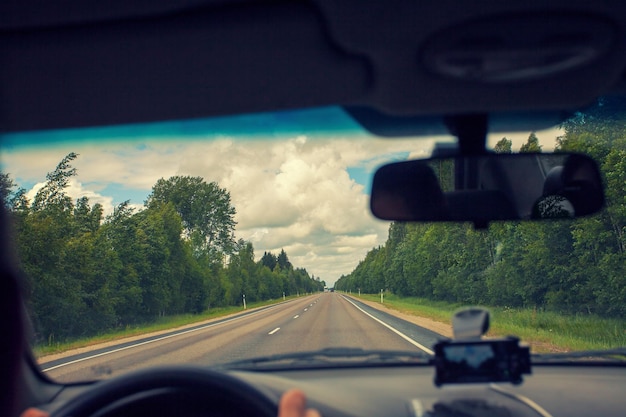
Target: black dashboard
(567,391)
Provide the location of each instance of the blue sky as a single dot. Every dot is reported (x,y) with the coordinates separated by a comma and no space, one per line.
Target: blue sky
(298,180)
(363,172)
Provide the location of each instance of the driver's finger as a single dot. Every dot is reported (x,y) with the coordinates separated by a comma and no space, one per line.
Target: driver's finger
(293,404)
(311,412)
(34,412)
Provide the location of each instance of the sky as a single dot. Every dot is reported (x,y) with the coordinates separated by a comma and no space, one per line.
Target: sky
(295,186)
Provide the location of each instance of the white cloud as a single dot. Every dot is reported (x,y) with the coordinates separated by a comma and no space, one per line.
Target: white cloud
(294,194)
(30,194)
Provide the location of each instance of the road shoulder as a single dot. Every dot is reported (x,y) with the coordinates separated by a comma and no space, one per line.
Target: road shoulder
(443,329)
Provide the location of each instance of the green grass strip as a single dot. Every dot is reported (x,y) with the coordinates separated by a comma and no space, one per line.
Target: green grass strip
(545,331)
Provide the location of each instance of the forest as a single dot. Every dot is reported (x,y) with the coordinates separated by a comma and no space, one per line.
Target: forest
(569,266)
(85,273)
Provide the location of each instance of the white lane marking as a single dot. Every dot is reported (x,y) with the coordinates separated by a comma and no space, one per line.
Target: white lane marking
(155,340)
(310,305)
(418,409)
(525,400)
(274,331)
(296,316)
(399,333)
(305,309)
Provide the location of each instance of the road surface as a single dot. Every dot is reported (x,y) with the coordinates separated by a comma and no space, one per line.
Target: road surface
(308,323)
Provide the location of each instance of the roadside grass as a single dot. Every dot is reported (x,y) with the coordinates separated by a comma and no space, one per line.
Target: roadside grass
(544,331)
(163,323)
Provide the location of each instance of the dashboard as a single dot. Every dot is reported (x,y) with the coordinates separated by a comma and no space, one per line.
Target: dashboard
(567,391)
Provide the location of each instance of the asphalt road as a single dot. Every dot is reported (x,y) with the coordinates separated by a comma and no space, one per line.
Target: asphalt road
(308,323)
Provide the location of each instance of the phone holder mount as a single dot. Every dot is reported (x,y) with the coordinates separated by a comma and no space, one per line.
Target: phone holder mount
(470,323)
(468,358)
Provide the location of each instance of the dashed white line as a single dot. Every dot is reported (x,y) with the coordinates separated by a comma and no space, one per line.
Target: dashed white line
(296,316)
(156,340)
(305,309)
(274,331)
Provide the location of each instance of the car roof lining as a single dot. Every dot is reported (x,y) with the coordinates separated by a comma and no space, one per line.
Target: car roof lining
(73,65)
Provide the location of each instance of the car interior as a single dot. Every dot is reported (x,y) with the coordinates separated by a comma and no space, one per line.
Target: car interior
(397,68)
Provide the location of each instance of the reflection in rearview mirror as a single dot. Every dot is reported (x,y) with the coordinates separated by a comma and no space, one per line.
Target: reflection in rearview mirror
(485,188)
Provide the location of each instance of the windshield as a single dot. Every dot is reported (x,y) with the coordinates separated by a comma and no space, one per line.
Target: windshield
(180,242)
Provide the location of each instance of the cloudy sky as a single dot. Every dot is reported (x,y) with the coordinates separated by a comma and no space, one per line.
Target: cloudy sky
(295,186)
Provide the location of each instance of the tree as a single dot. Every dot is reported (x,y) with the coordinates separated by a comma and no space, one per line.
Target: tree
(205,209)
(283,261)
(269,260)
(47,234)
(242,274)
(531,145)
(6,189)
(87,219)
(569,265)
(52,194)
(504,145)
(86,275)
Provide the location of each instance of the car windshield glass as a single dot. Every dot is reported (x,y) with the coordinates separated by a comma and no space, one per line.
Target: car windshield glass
(178,242)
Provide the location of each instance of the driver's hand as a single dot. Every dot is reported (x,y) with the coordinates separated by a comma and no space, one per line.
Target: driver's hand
(292,404)
(34,412)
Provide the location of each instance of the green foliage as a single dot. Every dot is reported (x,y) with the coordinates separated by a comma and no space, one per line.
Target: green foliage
(269,260)
(52,195)
(283,261)
(544,331)
(87,275)
(205,210)
(531,145)
(6,189)
(567,266)
(504,145)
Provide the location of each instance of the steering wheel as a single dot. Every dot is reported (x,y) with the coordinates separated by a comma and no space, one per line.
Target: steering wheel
(205,392)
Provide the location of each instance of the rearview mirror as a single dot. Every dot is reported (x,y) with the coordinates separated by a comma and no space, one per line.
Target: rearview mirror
(490,187)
